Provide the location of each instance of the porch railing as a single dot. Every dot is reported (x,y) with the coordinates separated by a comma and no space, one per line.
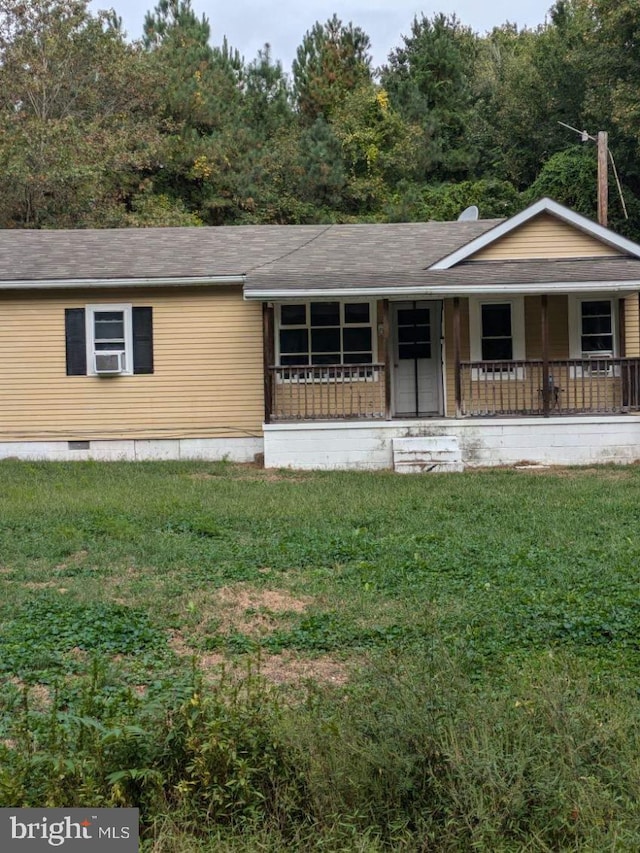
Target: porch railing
(574,386)
(487,388)
(327,392)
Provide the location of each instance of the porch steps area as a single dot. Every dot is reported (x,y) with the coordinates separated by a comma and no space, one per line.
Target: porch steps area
(427,454)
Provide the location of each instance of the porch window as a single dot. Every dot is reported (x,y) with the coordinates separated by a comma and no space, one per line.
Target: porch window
(497,340)
(596,327)
(325,333)
(496,331)
(593,331)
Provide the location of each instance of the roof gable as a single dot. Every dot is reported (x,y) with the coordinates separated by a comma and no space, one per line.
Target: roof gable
(547,230)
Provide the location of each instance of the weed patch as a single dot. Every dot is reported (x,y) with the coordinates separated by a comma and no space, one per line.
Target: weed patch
(45,635)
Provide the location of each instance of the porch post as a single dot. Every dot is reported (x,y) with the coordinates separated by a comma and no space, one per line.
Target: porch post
(546,390)
(456,355)
(267,358)
(386,342)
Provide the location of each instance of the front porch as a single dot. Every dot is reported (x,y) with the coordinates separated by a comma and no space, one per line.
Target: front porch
(458,358)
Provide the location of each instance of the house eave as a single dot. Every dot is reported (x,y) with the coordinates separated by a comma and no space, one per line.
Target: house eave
(119,283)
(438,291)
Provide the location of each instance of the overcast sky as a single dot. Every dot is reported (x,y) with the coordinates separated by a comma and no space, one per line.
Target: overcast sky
(248,24)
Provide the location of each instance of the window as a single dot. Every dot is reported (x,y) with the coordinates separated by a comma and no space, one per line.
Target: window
(414,333)
(325,333)
(592,334)
(108,339)
(496,335)
(496,331)
(596,327)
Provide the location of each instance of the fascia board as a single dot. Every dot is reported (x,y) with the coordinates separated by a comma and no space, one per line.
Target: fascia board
(531,288)
(99,283)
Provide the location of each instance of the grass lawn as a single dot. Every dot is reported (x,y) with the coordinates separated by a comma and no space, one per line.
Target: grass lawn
(451,660)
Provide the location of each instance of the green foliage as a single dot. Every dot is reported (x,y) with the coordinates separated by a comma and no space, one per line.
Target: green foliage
(494,199)
(98,132)
(571,177)
(428,81)
(332,60)
(38,637)
(74,114)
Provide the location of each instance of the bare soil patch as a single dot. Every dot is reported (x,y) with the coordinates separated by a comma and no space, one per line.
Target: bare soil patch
(38,695)
(285,669)
(249,610)
(250,471)
(73,560)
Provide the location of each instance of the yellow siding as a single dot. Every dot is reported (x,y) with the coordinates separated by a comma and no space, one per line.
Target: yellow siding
(207,380)
(450,378)
(558,316)
(632,326)
(544,237)
(525,393)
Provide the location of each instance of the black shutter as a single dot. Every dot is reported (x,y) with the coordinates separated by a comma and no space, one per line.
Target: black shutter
(142,340)
(76,341)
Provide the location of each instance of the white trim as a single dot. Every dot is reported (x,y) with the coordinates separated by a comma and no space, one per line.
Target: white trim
(545,205)
(127,313)
(90,283)
(517,326)
(438,291)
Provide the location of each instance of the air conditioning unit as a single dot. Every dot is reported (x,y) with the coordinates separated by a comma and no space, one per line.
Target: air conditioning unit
(109,362)
(600,364)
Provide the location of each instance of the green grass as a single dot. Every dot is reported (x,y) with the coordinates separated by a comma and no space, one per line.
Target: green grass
(490,622)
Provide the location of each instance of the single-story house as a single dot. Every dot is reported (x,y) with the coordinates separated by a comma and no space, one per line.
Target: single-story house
(419,346)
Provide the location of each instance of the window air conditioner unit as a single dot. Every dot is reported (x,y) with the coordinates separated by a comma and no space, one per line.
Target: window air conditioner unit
(600,364)
(109,363)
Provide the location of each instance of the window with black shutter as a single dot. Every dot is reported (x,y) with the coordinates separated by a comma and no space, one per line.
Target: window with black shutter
(109,340)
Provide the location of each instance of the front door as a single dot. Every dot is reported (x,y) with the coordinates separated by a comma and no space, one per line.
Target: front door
(417,384)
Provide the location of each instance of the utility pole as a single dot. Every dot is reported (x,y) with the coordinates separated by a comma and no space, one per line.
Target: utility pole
(604,155)
(603,177)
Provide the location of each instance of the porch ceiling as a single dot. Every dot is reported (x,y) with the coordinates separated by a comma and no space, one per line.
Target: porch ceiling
(617,274)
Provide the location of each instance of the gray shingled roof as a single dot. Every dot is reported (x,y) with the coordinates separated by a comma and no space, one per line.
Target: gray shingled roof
(165,253)
(278,258)
(554,271)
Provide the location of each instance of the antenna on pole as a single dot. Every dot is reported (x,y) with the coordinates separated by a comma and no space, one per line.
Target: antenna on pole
(604,154)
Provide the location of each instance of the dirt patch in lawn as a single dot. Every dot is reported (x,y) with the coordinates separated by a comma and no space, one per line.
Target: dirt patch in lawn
(285,669)
(73,560)
(38,695)
(251,471)
(244,598)
(244,609)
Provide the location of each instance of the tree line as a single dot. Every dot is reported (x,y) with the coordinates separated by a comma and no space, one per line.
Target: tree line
(96,131)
